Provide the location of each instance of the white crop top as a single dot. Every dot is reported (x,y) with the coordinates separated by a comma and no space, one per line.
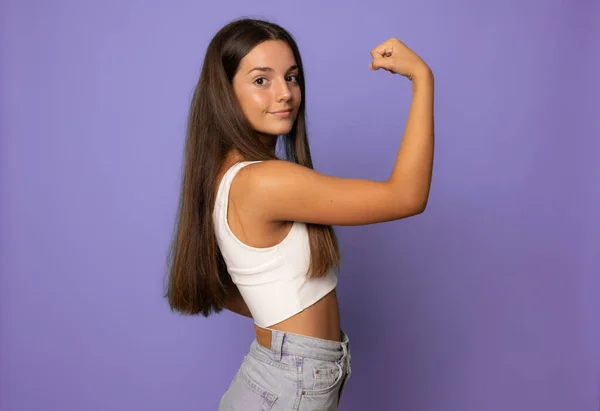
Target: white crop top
(271,280)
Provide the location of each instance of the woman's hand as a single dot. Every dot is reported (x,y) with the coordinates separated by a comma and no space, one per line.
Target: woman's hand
(395,57)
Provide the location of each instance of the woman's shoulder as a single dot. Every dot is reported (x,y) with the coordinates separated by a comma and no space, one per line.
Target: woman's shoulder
(255,182)
(270,171)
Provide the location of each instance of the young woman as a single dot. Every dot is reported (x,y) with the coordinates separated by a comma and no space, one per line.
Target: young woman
(254,232)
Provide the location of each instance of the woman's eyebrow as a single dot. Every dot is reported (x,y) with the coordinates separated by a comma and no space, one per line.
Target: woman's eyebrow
(294,67)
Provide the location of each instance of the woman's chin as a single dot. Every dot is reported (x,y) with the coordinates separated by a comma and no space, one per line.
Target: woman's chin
(277,131)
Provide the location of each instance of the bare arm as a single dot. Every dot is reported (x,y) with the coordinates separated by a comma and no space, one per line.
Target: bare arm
(284,191)
(414,163)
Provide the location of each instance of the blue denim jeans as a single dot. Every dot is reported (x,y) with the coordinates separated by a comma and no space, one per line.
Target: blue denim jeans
(298,373)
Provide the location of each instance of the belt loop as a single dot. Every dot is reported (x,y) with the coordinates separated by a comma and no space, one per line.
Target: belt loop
(276,344)
(346,357)
(349,360)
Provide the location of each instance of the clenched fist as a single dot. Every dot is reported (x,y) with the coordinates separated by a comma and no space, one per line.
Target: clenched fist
(395,57)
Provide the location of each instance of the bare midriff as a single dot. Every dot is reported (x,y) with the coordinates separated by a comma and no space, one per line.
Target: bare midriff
(320,320)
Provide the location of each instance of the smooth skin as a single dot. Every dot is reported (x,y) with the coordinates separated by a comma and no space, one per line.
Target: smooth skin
(267,197)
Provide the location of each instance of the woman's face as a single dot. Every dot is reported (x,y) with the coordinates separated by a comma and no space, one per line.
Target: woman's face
(267,83)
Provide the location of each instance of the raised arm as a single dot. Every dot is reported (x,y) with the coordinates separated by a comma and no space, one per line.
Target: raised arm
(284,191)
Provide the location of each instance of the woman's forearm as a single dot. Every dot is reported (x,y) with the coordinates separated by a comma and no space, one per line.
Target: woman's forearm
(414,163)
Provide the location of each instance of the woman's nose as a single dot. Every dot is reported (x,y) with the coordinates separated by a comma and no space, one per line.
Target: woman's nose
(283,91)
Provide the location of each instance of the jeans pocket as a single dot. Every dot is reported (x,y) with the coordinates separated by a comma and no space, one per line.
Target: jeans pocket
(321,377)
(245,394)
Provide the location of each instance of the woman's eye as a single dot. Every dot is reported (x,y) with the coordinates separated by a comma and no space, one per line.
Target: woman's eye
(261,81)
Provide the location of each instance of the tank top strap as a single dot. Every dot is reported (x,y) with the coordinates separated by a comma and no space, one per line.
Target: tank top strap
(225,186)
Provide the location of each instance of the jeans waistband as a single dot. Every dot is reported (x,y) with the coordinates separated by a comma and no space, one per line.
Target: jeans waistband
(305,346)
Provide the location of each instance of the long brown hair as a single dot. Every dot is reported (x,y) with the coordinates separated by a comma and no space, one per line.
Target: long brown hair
(198,281)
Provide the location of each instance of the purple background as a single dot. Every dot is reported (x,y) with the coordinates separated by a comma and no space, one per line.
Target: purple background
(487,301)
